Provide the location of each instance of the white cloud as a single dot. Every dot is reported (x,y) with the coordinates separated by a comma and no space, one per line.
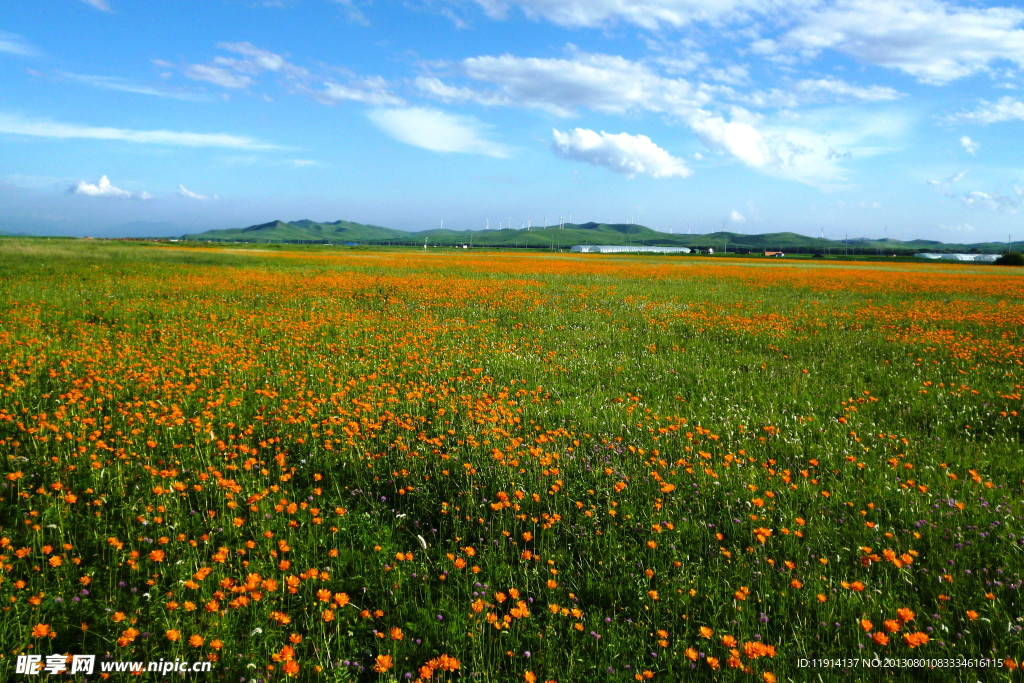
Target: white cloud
(739,139)
(122,85)
(436,130)
(968,144)
(256,60)
(103,188)
(217,75)
(1006,109)
(736,217)
(15,125)
(355,15)
(842,89)
(183,192)
(649,14)
(13,44)
(605,83)
(997,201)
(930,40)
(374,91)
(623,153)
(98,4)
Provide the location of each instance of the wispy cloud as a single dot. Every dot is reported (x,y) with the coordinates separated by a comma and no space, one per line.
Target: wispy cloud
(374,91)
(123,85)
(99,4)
(1005,109)
(649,14)
(969,145)
(623,153)
(933,41)
(436,130)
(185,192)
(736,217)
(355,15)
(15,125)
(606,83)
(217,75)
(13,44)
(103,188)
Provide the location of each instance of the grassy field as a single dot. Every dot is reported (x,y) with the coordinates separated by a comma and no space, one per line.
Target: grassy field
(500,467)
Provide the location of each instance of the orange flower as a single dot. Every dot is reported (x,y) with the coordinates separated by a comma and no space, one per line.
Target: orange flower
(905,615)
(383,664)
(529,677)
(866,625)
(915,639)
(291,668)
(972,615)
(156,555)
(40,630)
(705,632)
(891,625)
(880,638)
(173,635)
(196,641)
(396,633)
(327,615)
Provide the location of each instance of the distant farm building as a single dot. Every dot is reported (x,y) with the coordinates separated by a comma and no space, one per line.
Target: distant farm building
(625,249)
(776,254)
(975,258)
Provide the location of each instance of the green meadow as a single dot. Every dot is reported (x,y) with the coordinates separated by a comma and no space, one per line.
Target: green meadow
(494,466)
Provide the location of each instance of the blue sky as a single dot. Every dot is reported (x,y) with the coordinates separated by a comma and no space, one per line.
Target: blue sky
(871,118)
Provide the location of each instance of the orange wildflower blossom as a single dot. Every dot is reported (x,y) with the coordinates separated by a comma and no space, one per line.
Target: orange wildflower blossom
(916,639)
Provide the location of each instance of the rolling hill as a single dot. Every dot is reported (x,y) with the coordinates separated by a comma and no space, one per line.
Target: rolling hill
(552,237)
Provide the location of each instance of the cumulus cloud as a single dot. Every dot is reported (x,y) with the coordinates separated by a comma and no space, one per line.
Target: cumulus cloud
(1006,109)
(15,125)
(736,217)
(740,139)
(930,40)
(436,130)
(13,44)
(103,188)
(184,192)
(623,153)
(968,144)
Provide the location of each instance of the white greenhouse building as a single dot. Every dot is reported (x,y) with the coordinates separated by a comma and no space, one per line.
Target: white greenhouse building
(975,258)
(625,249)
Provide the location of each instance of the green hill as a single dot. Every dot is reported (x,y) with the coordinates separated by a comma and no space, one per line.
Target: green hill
(553,237)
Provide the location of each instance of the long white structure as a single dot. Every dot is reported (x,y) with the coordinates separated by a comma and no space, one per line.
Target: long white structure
(625,249)
(975,258)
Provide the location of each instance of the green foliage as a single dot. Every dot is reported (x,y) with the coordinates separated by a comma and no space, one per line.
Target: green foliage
(1011,258)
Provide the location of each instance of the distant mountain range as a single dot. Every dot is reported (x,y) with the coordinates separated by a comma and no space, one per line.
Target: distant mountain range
(570,234)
